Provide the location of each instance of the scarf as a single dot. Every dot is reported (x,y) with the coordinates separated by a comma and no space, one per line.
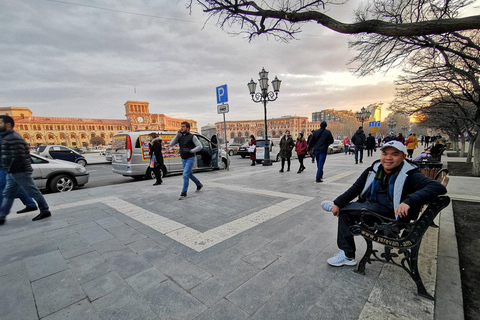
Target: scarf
(381,177)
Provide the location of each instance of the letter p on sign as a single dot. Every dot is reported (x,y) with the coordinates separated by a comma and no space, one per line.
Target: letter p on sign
(222,94)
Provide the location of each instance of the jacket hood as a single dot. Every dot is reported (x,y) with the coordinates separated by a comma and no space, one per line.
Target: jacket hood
(359,131)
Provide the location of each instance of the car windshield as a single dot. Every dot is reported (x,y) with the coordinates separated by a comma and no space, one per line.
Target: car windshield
(41,148)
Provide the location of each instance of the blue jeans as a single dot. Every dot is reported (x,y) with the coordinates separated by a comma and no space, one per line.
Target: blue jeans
(21,194)
(346,149)
(320,156)
(187,165)
(357,150)
(15,182)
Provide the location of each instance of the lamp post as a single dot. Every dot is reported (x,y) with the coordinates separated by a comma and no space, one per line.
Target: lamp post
(404,128)
(265,96)
(392,123)
(362,115)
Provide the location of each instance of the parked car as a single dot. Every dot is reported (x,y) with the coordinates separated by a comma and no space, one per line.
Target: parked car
(61,153)
(336,146)
(57,175)
(130,154)
(232,149)
(108,154)
(243,150)
(79,150)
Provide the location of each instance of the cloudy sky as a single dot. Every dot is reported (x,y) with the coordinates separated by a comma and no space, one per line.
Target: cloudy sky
(74,59)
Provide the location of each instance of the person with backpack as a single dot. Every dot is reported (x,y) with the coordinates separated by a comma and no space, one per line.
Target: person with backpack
(320,141)
(358,140)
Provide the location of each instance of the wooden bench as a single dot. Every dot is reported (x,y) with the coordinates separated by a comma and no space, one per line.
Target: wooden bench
(401,240)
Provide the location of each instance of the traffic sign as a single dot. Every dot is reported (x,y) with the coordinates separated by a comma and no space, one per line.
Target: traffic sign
(222,108)
(222,94)
(374,130)
(373,124)
(379,123)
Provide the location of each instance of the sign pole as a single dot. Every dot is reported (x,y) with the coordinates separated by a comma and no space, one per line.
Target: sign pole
(225,132)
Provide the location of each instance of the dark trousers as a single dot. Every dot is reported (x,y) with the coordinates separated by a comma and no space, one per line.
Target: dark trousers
(321,157)
(410,153)
(300,159)
(351,214)
(369,152)
(358,149)
(283,162)
(158,175)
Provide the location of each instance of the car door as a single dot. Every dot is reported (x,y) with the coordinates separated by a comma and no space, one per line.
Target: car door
(38,173)
(62,153)
(216,155)
(204,156)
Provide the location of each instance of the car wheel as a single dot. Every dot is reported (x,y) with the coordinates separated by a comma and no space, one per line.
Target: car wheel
(231,153)
(62,183)
(82,162)
(243,155)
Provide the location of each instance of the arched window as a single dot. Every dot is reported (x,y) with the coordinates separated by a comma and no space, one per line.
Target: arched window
(239,134)
(232,135)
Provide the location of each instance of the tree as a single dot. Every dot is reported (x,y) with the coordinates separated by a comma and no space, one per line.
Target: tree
(96,141)
(283,19)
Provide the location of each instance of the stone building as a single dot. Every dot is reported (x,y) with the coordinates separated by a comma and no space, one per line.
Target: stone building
(77,132)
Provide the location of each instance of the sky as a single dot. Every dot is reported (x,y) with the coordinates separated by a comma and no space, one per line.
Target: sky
(75,59)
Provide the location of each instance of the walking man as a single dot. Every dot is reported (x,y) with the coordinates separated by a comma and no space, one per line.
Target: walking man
(286,147)
(15,160)
(370,145)
(156,156)
(311,151)
(188,144)
(320,141)
(358,140)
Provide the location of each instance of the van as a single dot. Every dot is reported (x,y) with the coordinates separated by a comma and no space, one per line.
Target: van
(130,154)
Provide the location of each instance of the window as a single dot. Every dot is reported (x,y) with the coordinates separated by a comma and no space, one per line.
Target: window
(204,142)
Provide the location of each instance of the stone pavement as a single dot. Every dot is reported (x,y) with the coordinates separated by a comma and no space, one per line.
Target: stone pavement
(252,244)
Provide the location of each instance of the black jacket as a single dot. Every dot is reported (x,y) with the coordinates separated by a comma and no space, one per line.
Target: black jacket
(371,143)
(418,190)
(321,139)
(155,146)
(358,138)
(15,155)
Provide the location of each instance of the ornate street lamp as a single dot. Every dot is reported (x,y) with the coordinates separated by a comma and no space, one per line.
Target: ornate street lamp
(404,128)
(392,123)
(265,96)
(362,115)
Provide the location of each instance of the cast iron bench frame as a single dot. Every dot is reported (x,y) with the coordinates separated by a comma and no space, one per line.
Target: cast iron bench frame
(402,236)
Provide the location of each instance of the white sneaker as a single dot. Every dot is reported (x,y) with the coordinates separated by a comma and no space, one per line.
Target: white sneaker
(327,205)
(340,259)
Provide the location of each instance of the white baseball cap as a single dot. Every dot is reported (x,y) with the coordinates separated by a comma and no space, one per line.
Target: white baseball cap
(395,144)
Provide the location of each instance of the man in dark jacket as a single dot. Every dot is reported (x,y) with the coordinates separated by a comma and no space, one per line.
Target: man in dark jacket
(156,155)
(311,151)
(286,147)
(320,141)
(358,140)
(17,163)
(391,187)
(370,145)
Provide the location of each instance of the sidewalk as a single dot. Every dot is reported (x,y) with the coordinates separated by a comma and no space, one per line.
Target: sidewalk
(252,244)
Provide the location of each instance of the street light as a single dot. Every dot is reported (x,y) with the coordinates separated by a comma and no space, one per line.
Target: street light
(404,128)
(392,123)
(265,96)
(362,115)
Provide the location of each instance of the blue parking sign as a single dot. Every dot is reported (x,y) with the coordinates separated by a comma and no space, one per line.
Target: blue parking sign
(222,94)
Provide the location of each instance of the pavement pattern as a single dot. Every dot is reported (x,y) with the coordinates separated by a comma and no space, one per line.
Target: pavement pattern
(252,244)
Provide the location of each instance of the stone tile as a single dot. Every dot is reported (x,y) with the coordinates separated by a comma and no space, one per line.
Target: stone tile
(17,302)
(14,267)
(284,243)
(261,258)
(72,244)
(95,234)
(88,266)
(251,244)
(110,222)
(155,254)
(126,234)
(81,310)
(45,264)
(218,262)
(123,304)
(224,309)
(169,301)
(142,245)
(20,252)
(128,264)
(103,285)
(56,292)
(109,248)
(146,280)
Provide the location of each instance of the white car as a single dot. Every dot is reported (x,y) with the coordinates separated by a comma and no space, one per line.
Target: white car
(57,175)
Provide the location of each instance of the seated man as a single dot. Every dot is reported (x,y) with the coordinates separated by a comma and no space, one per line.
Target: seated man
(392,187)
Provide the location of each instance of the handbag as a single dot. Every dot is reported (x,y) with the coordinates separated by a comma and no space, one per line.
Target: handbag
(251,149)
(152,162)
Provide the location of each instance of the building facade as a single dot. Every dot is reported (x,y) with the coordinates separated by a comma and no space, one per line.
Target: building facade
(208,131)
(78,132)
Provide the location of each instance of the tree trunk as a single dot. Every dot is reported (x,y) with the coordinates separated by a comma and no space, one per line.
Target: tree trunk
(470,151)
(462,149)
(476,156)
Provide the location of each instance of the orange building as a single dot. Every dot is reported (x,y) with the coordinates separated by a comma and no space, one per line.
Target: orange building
(79,131)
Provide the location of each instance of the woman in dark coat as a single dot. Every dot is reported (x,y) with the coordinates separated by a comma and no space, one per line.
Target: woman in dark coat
(155,146)
(301,149)
(370,143)
(286,147)
(253,155)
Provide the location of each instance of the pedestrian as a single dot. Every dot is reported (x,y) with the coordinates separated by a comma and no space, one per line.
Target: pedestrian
(156,157)
(346,143)
(391,187)
(400,138)
(358,140)
(379,141)
(286,147)
(189,145)
(427,141)
(370,143)
(301,149)
(253,155)
(320,141)
(422,139)
(412,144)
(311,151)
(16,161)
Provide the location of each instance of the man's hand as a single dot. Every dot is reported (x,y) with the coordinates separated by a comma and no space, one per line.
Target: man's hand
(402,210)
(335,210)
